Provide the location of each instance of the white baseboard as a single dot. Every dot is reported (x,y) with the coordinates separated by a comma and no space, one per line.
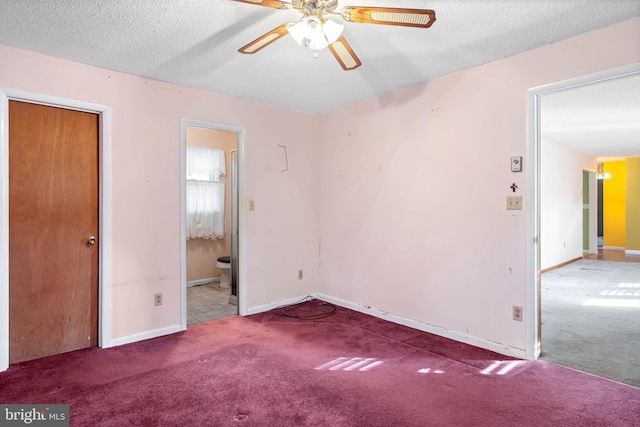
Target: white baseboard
(614,248)
(271,306)
(415,324)
(425,327)
(202,281)
(421,326)
(144,336)
(631,252)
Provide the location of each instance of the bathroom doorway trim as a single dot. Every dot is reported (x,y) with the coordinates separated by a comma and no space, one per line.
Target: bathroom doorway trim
(241,134)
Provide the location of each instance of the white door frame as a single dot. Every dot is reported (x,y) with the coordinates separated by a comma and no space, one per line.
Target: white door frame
(104,165)
(241,137)
(593,211)
(533,295)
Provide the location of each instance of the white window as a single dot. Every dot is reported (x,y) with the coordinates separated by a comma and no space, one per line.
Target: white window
(205,193)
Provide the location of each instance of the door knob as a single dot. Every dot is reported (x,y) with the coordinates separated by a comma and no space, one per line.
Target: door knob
(91,241)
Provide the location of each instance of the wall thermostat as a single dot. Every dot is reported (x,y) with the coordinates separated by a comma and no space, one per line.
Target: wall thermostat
(516,164)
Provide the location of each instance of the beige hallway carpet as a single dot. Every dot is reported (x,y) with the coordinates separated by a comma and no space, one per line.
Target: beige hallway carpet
(591,318)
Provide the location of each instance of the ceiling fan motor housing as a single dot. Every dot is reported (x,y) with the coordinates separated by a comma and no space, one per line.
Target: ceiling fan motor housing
(316,7)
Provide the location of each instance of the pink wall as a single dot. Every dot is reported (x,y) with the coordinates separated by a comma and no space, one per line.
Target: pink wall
(282,231)
(203,253)
(413,185)
(407,190)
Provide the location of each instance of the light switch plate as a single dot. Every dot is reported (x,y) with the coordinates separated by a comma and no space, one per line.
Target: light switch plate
(516,164)
(514,203)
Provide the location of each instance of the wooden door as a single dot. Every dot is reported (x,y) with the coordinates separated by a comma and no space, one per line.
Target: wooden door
(53,212)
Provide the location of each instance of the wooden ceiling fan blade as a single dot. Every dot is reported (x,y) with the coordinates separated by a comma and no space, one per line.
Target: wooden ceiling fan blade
(276,4)
(265,40)
(421,18)
(344,54)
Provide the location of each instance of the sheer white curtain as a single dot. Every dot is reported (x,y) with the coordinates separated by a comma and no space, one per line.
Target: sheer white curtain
(205,193)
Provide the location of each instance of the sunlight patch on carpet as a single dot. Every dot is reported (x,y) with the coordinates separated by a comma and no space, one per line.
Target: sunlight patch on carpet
(629,285)
(601,302)
(429,371)
(361,364)
(505,367)
(617,293)
(623,290)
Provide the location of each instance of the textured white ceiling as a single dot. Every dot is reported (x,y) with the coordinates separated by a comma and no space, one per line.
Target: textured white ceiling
(601,119)
(194,43)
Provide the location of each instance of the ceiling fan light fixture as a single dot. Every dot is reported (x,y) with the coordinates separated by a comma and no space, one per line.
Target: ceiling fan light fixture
(311,32)
(317,43)
(600,173)
(332,30)
(297,31)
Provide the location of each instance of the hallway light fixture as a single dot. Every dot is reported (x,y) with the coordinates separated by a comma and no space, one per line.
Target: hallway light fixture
(601,174)
(314,32)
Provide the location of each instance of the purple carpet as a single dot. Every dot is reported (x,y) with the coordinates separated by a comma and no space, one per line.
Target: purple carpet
(349,369)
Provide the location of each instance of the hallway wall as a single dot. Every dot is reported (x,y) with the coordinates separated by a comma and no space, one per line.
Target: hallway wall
(561,202)
(615,205)
(633,205)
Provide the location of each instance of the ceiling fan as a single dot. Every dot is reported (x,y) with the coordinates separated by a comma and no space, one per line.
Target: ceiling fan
(315,31)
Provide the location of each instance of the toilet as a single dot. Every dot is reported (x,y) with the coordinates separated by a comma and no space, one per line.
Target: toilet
(224,264)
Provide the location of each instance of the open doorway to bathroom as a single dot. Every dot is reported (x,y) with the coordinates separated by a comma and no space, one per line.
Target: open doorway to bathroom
(210,217)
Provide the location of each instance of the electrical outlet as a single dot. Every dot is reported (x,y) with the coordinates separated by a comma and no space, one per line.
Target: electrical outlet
(517,313)
(157,299)
(300,274)
(252,205)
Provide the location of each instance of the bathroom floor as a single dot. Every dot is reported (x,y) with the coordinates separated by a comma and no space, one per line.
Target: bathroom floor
(208,302)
